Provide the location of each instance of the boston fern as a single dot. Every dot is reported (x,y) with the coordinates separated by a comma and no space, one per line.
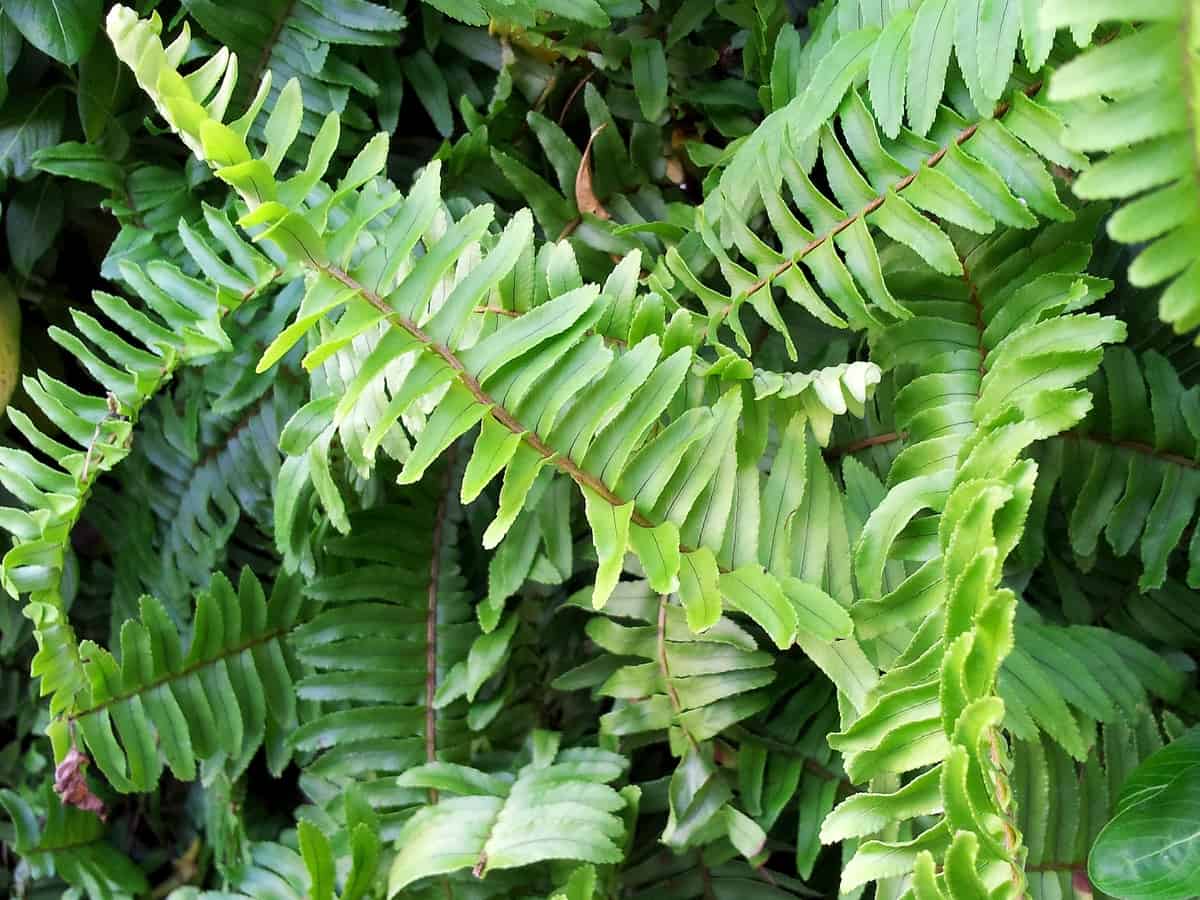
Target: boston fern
(600,449)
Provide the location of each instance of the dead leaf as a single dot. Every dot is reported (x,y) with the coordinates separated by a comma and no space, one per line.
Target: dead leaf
(585,197)
(675,173)
(70,783)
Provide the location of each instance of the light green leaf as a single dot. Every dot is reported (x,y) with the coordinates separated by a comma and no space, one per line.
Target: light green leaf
(610,533)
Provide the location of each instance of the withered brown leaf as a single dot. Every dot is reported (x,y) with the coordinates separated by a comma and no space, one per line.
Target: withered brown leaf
(70,783)
(585,196)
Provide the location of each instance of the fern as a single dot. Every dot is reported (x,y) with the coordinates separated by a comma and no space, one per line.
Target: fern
(559,806)
(53,839)
(296,39)
(185,326)
(1131,488)
(488,524)
(217,700)
(976,175)
(1154,148)
(391,660)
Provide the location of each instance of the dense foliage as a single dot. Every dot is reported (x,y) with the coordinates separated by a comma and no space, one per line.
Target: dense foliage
(717,449)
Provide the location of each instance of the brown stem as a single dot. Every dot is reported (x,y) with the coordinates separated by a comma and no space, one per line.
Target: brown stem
(745,734)
(265,56)
(865,443)
(977,303)
(1136,446)
(706,879)
(182,673)
(574,93)
(498,310)
(1058,867)
(662,653)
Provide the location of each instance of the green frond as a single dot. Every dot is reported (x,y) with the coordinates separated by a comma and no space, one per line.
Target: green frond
(1132,100)
(1129,470)
(1062,804)
(180,324)
(977,174)
(274,870)
(197,492)
(903,53)
(1060,681)
(394,663)
(560,805)
(993,363)
(280,40)
(664,677)
(578,561)
(52,839)
(408,324)
(159,704)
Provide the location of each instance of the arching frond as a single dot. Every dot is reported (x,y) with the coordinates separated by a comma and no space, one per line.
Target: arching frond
(391,666)
(180,323)
(994,361)
(1139,494)
(545,390)
(159,704)
(281,40)
(974,173)
(1132,100)
(53,839)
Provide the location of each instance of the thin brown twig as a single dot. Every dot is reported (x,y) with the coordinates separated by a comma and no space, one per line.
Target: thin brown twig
(663,667)
(864,444)
(182,673)
(977,304)
(574,93)
(268,48)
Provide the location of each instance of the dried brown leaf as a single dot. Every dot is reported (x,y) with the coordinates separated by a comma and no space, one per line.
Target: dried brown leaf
(585,196)
(70,783)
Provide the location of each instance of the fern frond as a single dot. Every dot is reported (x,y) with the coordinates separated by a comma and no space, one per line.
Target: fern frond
(286,39)
(388,657)
(903,53)
(159,704)
(994,359)
(666,678)
(559,806)
(1062,804)
(1133,99)
(546,392)
(974,174)
(180,324)
(1061,681)
(52,838)
(280,871)
(1111,480)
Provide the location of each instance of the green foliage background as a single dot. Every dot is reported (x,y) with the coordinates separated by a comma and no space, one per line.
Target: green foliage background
(717,449)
